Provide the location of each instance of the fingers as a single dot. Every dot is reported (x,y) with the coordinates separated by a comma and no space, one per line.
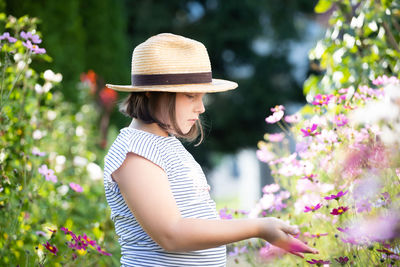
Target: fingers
(299,254)
(289,229)
(296,245)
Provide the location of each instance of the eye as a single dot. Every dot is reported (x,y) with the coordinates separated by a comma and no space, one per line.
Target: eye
(190,96)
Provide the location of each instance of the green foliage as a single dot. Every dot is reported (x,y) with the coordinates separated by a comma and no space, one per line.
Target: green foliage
(362,44)
(35,117)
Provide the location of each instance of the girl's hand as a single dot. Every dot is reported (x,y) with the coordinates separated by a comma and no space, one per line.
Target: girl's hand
(280,234)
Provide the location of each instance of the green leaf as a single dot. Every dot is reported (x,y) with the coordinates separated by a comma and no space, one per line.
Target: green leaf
(323,6)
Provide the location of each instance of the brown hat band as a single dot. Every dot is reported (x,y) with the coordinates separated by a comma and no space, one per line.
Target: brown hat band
(165,79)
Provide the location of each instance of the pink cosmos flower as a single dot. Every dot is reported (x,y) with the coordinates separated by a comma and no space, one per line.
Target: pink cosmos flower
(310,131)
(318,235)
(310,176)
(223,214)
(312,208)
(340,120)
(381,80)
(271,188)
(292,118)
(89,241)
(339,211)
(48,173)
(337,196)
(275,117)
(76,187)
(277,137)
(265,155)
(51,248)
(36,152)
(278,108)
(65,230)
(318,262)
(322,99)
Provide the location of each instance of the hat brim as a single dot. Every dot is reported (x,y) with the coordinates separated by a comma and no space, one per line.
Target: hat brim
(217,85)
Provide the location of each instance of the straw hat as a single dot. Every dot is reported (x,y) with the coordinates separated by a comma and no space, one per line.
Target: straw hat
(172,63)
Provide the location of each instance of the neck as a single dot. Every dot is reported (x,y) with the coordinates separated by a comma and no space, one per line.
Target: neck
(153,128)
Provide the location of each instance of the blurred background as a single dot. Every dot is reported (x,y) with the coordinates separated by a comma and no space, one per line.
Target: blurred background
(262,45)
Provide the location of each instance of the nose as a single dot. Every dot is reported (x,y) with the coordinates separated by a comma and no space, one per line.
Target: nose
(200,106)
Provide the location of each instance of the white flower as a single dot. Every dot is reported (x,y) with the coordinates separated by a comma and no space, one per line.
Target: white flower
(17,57)
(94,170)
(79,131)
(51,115)
(79,161)
(47,86)
(267,201)
(21,65)
(39,89)
(37,134)
(49,75)
(60,160)
(63,190)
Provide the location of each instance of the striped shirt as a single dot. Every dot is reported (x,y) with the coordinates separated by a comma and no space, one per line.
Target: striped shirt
(189,188)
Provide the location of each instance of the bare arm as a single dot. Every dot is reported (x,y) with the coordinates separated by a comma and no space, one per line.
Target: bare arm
(146,190)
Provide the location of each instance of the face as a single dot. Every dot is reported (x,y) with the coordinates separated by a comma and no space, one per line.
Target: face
(188,107)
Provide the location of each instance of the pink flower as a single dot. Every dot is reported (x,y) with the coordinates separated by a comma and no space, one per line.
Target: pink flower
(363,205)
(265,155)
(51,248)
(275,117)
(318,235)
(277,137)
(292,118)
(381,80)
(98,248)
(270,252)
(6,36)
(310,131)
(340,120)
(309,176)
(312,208)
(48,173)
(321,99)
(34,48)
(337,196)
(224,215)
(318,262)
(238,251)
(339,211)
(278,108)
(271,188)
(76,187)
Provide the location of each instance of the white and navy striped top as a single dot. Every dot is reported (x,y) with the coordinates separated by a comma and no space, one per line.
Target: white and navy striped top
(189,188)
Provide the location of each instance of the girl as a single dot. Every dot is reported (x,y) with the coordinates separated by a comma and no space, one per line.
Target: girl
(158,194)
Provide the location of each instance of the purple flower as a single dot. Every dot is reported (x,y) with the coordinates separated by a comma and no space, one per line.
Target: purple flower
(76,187)
(51,248)
(224,215)
(363,205)
(65,230)
(342,260)
(337,196)
(275,117)
(381,80)
(34,48)
(36,152)
(98,248)
(238,251)
(309,176)
(7,36)
(340,120)
(310,131)
(40,233)
(312,208)
(48,173)
(318,262)
(28,36)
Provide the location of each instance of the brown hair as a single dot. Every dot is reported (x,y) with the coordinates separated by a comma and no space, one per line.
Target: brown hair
(140,106)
